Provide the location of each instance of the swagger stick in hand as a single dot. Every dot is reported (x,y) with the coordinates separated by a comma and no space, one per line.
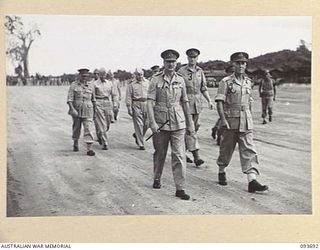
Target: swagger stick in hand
(157,130)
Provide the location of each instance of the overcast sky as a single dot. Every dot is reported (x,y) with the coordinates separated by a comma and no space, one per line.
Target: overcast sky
(126,42)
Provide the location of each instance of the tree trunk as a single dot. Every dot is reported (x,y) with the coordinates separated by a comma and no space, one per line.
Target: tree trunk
(26,66)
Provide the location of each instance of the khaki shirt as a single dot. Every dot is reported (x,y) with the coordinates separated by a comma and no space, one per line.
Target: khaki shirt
(168,96)
(195,84)
(117,87)
(137,91)
(237,98)
(267,86)
(82,96)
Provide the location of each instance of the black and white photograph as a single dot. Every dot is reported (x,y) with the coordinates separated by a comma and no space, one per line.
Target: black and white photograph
(158,115)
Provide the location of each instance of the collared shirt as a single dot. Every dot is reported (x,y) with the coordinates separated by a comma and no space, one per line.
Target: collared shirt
(137,91)
(267,86)
(195,85)
(117,87)
(105,90)
(236,96)
(168,96)
(82,96)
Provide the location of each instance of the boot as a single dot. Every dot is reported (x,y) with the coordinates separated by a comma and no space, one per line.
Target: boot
(197,160)
(182,195)
(222,179)
(156,184)
(105,147)
(255,186)
(75,146)
(91,153)
(135,137)
(270,118)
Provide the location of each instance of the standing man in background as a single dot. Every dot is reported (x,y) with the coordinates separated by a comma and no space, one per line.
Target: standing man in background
(81,101)
(195,86)
(234,99)
(267,91)
(155,70)
(136,101)
(106,97)
(117,87)
(169,115)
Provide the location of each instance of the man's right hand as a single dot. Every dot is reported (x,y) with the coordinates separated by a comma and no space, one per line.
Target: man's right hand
(154,128)
(130,111)
(224,124)
(73,113)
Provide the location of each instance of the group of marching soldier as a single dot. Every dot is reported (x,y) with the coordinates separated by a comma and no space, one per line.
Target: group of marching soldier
(169,103)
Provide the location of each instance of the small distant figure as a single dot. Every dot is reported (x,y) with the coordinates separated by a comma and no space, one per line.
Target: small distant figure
(267,91)
(136,101)
(82,101)
(117,87)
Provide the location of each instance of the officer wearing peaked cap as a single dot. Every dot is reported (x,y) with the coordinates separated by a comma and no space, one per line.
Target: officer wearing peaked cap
(196,86)
(136,101)
(81,101)
(234,97)
(168,108)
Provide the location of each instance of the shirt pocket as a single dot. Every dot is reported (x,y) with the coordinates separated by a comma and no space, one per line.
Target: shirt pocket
(160,114)
(179,115)
(88,94)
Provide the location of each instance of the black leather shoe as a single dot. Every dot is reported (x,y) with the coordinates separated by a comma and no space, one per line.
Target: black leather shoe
(75,148)
(135,137)
(270,118)
(156,184)
(264,121)
(222,179)
(142,148)
(255,186)
(199,162)
(105,147)
(189,160)
(182,195)
(91,153)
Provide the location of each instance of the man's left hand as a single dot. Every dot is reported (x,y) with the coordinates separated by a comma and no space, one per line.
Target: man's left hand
(210,104)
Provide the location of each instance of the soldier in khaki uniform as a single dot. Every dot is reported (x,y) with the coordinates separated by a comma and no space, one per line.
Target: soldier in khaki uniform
(106,97)
(117,87)
(136,101)
(81,101)
(168,104)
(234,99)
(196,85)
(267,91)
